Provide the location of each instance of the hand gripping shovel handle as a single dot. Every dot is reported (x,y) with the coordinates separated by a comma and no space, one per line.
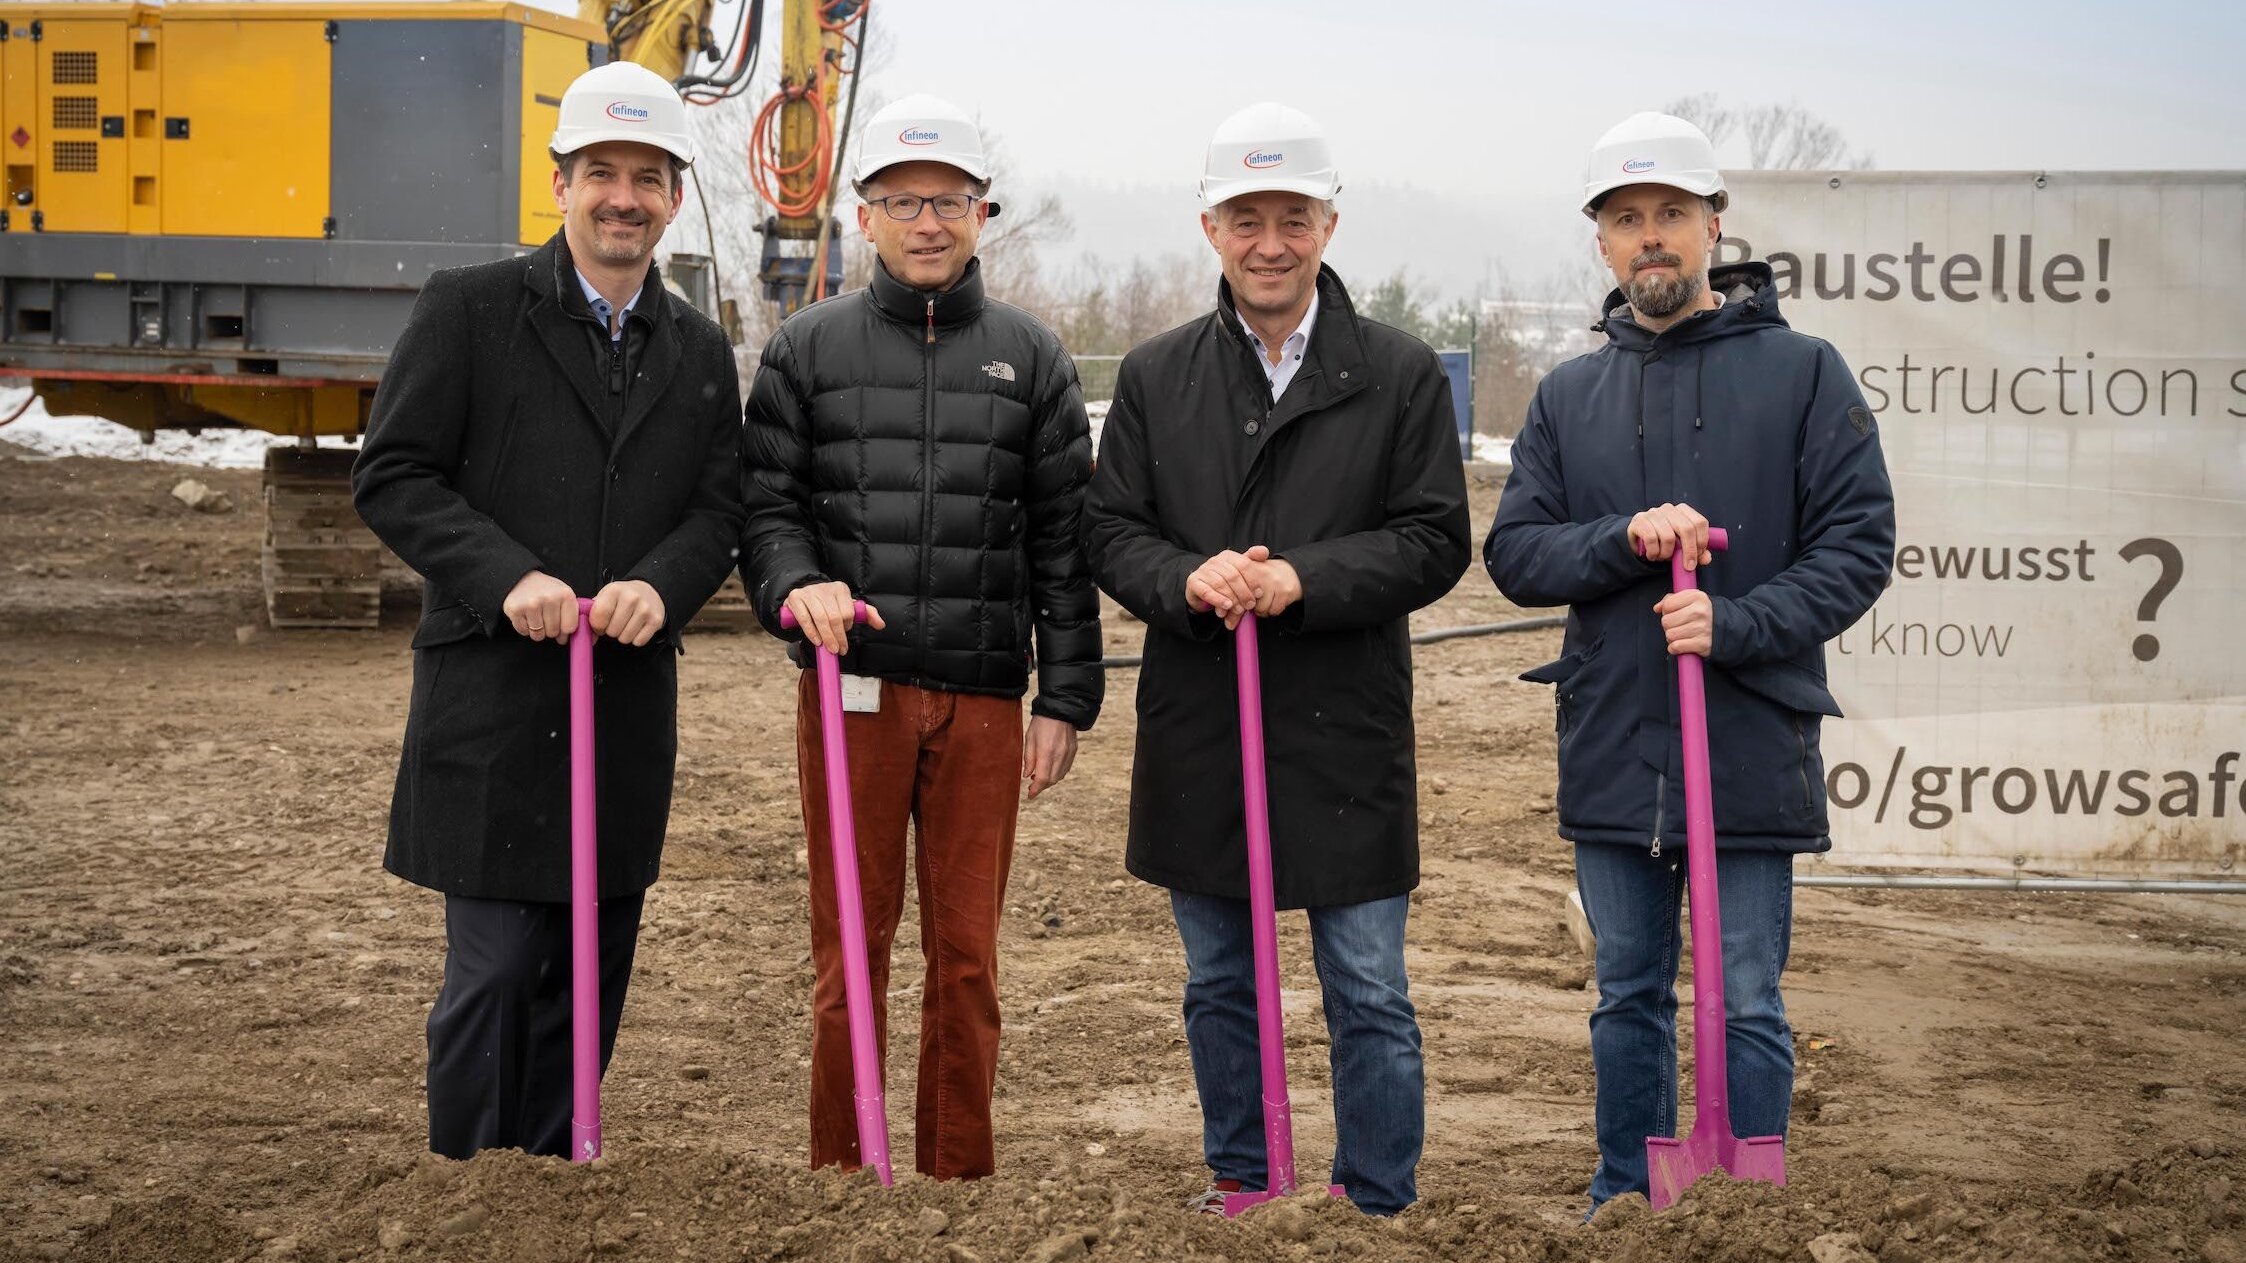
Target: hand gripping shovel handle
(584,900)
(842,839)
(1672,1164)
(1263,916)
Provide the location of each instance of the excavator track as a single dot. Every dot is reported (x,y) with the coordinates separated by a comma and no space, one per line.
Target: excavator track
(322,567)
(728,610)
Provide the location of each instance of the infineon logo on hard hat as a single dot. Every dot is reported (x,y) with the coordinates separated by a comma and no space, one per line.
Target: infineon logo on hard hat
(627,111)
(1258,159)
(918,136)
(1634,165)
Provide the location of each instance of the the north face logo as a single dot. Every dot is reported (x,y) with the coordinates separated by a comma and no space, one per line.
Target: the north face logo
(1000,369)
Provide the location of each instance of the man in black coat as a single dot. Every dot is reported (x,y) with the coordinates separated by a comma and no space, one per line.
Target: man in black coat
(1703,407)
(548,426)
(921,448)
(1284,455)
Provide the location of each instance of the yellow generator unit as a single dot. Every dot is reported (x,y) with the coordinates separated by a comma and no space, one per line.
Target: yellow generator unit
(220,214)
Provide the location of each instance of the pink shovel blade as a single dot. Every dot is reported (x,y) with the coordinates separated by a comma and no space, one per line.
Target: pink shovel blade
(1675,1165)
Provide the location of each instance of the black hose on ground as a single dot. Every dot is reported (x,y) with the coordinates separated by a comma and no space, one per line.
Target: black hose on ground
(1423,638)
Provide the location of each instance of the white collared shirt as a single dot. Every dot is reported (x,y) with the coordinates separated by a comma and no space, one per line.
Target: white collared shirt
(1290,351)
(610,318)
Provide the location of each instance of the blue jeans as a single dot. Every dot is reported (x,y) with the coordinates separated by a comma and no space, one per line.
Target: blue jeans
(1379,1083)
(1633,901)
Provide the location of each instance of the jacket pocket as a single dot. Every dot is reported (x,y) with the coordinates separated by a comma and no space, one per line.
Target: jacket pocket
(1789,684)
(1561,673)
(444,625)
(1768,771)
(501,453)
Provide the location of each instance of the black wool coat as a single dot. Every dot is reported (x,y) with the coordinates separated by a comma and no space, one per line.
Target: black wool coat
(1353,477)
(505,439)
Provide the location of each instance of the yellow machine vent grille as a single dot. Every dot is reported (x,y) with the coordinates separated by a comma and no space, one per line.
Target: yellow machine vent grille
(77,113)
(77,67)
(76,156)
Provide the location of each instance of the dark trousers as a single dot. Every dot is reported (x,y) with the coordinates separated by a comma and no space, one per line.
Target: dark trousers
(499,1064)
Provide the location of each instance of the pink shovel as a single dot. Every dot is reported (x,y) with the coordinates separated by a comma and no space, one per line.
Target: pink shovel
(584,900)
(1271,1038)
(857,984)
(1674,1164)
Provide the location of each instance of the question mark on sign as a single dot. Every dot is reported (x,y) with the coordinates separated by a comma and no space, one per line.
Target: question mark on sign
(2147,646)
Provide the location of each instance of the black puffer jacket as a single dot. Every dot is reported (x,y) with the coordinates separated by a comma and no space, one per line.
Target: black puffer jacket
(931,451)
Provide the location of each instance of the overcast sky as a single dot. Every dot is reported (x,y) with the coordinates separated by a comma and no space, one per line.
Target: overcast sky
(1460,128)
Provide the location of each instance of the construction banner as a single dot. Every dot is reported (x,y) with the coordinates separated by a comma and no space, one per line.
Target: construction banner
(2054,681)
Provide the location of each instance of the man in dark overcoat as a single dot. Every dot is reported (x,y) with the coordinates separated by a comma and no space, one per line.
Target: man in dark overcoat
(549,426)
(1286,456)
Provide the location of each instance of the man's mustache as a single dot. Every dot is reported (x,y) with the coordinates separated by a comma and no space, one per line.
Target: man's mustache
(1655,259)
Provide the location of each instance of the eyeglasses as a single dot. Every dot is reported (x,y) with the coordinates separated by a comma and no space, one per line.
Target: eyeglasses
(905,207)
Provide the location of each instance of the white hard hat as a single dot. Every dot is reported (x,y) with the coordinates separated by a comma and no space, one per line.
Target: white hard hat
(921,128)
(623,100)
(1268,147)
(1651,148)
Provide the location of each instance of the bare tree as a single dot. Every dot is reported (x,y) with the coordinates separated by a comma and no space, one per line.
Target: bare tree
(1705,111)
(1106,309)
(730,231)
(1525,331)
(1013,245)
(1777,137)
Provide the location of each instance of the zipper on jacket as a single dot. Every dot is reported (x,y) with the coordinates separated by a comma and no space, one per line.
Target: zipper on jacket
(1660,806)
(1801,738)
(616,366)
(927,485)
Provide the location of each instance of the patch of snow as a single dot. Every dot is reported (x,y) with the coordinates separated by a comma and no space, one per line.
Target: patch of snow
(1097,410)
(1489,447)
(52,436)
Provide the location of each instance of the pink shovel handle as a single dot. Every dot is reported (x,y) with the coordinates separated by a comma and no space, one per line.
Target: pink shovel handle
(1710,1080)
(1271,1038)
(584,900)
(857,983)
(1263,923)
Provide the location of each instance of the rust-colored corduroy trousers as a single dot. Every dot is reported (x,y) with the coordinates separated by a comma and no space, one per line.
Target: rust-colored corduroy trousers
(949,764)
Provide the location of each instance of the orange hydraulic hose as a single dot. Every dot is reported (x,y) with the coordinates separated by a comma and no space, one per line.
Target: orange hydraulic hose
(767,173)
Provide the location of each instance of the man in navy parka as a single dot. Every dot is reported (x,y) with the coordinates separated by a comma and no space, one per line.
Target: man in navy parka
(1702,408)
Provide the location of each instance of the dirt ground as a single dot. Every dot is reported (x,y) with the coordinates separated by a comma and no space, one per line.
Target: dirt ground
(211,997)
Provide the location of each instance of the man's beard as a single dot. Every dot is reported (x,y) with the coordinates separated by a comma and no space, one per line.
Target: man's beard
(608,251)
(1661,295)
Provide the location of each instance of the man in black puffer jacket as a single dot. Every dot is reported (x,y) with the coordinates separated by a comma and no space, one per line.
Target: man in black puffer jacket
(922,449)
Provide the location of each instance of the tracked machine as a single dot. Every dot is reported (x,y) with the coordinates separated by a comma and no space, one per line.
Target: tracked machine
(219,214)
